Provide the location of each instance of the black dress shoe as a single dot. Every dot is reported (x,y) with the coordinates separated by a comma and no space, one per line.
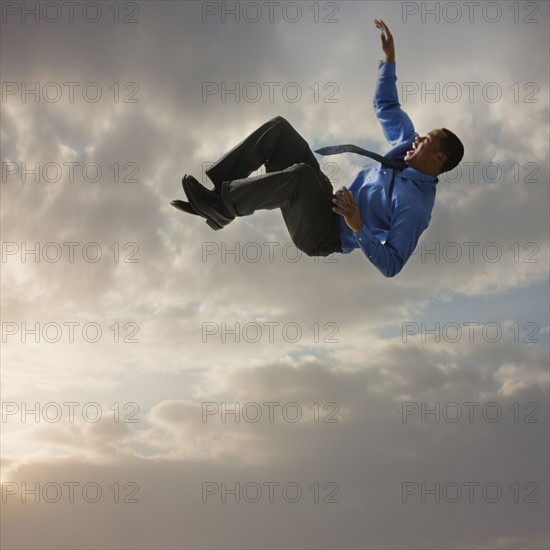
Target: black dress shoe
(207,203)
(184,207)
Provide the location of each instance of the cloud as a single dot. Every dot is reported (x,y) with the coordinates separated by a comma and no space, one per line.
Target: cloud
(216,314)
(368,426)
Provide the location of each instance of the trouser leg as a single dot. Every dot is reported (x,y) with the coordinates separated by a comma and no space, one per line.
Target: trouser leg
(275,144)
(302,196)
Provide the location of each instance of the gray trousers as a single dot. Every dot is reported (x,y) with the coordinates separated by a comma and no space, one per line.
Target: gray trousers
(293,182)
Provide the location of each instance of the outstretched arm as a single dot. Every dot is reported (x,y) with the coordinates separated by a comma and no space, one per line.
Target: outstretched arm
(396,124)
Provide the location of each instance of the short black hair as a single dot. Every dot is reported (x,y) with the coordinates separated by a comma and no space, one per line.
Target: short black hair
(450,145)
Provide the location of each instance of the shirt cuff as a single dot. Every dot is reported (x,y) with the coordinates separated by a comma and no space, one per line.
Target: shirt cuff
(365,239)
(387,69)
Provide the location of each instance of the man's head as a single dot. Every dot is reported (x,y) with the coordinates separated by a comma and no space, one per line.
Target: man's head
(437,152)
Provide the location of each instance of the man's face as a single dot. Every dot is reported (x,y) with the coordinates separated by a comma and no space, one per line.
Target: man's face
(425,155)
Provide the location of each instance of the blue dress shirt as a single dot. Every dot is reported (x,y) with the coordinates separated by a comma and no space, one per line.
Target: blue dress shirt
(390,230)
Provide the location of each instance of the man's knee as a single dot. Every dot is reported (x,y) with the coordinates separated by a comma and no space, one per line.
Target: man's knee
(280,120)
(283,125)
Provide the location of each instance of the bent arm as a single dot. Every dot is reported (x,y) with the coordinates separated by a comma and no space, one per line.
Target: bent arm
(408,223)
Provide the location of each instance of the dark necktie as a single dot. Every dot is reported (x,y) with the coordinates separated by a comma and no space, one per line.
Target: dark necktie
(349,148)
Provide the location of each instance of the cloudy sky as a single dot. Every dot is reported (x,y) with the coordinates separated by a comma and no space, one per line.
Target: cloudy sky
(168,386)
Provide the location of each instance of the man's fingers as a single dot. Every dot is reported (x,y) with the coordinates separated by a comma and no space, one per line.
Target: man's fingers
(384,28)
(342,206)
(343,201)
(349,195)
(340,202)
(340,212)
(384,25)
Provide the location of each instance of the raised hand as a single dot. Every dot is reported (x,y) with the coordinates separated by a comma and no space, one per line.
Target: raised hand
(387,40)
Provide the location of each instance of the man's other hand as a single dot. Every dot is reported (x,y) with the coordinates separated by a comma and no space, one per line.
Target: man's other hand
(387,40)
(348,209)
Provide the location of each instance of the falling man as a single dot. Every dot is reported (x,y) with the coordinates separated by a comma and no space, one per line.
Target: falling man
(385,209)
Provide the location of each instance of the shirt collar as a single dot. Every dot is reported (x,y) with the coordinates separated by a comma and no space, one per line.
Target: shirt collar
(420,177)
